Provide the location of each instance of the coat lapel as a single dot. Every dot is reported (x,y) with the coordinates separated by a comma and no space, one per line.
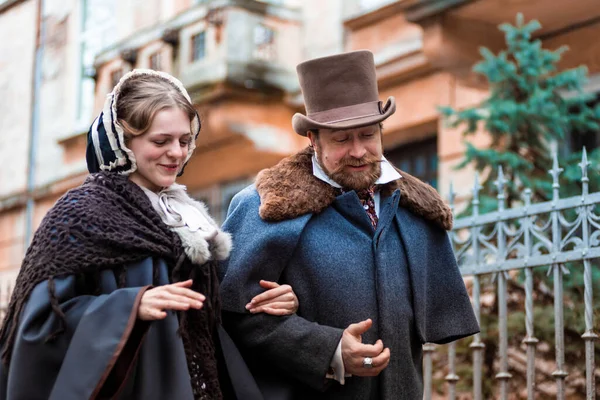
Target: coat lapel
(348,205)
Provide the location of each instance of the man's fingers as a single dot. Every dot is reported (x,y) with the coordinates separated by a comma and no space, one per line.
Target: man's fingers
(359,328)
(367,350)
(378,346)
(381,361)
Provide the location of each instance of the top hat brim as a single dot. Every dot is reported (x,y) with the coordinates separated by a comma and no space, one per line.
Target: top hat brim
(303,123)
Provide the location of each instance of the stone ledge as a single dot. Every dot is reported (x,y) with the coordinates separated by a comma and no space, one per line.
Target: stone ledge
(5,6)
(423,9)
(369,17)
(61,185)
(191,15)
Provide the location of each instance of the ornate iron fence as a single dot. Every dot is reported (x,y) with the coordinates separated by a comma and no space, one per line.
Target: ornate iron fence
(548,234)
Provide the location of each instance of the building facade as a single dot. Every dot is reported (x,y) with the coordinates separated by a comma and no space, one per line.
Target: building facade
(237,59)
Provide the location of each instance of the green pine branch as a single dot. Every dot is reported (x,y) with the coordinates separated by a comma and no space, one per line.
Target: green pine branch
(531,104)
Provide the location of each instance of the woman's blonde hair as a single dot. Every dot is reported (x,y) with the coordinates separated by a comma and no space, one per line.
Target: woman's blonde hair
(142,97)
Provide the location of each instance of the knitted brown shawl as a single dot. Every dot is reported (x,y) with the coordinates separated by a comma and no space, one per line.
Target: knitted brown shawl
(109,223)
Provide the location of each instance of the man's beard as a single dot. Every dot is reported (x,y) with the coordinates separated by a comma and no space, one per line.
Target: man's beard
(354,180)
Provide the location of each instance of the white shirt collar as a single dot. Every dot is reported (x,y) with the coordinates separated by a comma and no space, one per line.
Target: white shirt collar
(388,173)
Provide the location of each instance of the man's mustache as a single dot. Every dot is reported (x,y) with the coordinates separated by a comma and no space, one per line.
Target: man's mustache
(357,162)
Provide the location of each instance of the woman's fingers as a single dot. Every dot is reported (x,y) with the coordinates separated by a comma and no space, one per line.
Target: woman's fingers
(183,291)
(182,300)
(176,296)
(154,308)
(164,304)
(268,284)
(274,294)
(187,283)
(148,313)
(158,314)
(272,311)
(276,300)
(288,299)
(279,305)
(267,295)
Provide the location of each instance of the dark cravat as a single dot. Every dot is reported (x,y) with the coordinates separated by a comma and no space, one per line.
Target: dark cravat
(367,199)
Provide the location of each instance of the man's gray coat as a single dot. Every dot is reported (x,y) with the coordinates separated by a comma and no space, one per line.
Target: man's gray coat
(293,228)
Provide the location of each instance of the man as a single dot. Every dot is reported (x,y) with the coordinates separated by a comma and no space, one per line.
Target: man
(363,246)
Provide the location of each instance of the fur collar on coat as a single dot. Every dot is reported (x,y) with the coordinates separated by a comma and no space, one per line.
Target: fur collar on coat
(289,190)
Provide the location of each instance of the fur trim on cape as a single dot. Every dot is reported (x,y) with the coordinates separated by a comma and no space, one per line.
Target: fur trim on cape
(289,190)
(203,243)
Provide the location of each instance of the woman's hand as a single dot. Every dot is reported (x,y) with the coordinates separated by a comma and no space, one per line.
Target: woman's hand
(276,300)
(176,296)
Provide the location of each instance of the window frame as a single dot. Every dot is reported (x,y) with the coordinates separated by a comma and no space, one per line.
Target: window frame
(408,154)
(194,56)
(155,58)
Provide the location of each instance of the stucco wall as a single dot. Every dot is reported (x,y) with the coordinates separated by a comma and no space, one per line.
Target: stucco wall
(16,65)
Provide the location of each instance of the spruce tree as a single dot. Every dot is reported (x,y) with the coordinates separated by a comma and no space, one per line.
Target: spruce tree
(530,106)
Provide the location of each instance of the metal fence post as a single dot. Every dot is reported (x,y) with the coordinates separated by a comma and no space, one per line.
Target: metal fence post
(428,349)
(558,269)
(589,336)
(452,378)
(477,347)
(503,376)
(530,339)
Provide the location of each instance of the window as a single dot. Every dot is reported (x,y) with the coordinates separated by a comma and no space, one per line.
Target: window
(419,159)
(274,2)
(218,197)
(98,31)
(228,191)
(264,43)
(372,4)
(116,76)
(198,46)
(210,197)
(206,201)
(154,61)
(589,139)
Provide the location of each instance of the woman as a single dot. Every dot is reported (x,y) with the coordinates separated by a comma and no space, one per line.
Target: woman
(118,296)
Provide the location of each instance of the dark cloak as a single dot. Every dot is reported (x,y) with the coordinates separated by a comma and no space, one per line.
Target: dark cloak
(72,320)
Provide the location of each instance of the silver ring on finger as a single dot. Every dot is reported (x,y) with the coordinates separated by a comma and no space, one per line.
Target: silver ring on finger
(368,362)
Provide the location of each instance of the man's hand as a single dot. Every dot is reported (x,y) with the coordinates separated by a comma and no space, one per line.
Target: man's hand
(354,351)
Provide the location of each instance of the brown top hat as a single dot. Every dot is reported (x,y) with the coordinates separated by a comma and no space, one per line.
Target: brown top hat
(340,92)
